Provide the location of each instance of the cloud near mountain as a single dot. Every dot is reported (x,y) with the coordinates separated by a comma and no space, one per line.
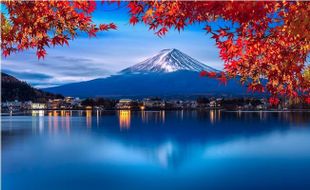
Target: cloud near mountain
(169,73)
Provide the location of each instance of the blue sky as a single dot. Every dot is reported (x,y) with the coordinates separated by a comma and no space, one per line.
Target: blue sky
(88,58)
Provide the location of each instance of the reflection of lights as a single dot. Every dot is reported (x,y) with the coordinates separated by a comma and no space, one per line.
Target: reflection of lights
(55,113)
(157,116)
(55,119)
(124,119)
(261,115)
(97,114)
(182,114)
(212,116)
(41,121)
(88,118)
(239,113)
(50,114)
(219,115)
(37,113)
(68,123)
(143,116)
(163,116)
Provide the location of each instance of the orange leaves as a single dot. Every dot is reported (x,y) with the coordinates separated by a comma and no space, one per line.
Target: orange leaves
(149,13)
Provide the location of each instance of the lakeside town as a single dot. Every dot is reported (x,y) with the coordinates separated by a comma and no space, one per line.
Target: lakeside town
(156,103)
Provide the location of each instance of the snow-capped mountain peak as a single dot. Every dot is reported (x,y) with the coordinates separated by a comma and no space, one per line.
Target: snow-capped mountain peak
(166,61)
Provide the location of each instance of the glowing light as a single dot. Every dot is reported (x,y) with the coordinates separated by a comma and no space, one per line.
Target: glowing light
(124,119)
(88,118)
(212,116)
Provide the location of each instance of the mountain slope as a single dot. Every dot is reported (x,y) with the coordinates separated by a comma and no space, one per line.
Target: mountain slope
(171,73)
(168,60)
(14,89)
(180,83)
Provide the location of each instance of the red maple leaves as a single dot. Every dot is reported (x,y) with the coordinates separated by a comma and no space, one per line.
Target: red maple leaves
(37,24)
(261,41)
(274,101)
(219,76)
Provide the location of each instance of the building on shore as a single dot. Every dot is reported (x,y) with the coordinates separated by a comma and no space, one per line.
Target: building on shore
(190,104)
(54,103)
(38,106)
(126,104)
(153,103)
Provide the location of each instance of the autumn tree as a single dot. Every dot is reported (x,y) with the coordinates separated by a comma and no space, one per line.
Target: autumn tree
(40,24)
(262,40)
(266,44)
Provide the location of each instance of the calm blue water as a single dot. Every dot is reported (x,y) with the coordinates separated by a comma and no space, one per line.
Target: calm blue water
(156,150)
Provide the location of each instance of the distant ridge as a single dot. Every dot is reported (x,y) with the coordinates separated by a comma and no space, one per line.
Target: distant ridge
(170,73)
(13,89)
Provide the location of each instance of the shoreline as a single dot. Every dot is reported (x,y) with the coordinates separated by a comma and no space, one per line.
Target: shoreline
(158,110)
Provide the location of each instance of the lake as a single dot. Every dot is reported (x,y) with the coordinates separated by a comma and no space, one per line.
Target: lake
(155,150)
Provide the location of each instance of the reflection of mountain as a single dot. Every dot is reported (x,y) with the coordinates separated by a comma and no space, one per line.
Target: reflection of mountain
(178,139)
(124,118)
(181,138)
(169,73)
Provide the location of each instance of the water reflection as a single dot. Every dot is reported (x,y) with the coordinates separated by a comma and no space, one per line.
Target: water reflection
(186,149)
(153,116)
(58,119)
(37,113)
(88,118)
(124,119)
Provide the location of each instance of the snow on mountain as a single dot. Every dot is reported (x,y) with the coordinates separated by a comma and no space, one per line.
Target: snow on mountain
(166,61)
(171,73)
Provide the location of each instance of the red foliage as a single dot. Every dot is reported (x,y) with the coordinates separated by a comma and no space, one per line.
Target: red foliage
(262,40)
(307,100)
(203,73)
(222,78)
(39,24)
(274,101)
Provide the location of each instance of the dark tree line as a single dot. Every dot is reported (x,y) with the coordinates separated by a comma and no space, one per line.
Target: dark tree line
(14,89)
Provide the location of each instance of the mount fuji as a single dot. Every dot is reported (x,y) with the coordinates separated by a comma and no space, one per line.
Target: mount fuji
(167,61)
(170,73)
